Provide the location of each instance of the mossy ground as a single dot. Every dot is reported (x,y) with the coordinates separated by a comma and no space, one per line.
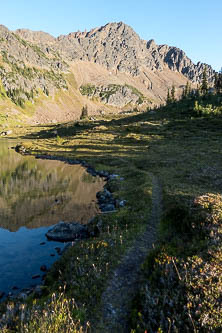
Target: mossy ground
(182,147)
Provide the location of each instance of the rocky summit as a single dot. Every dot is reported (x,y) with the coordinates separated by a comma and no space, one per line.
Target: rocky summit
(45,79)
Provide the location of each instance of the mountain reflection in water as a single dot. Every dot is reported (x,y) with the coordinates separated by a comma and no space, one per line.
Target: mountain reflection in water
(36,193)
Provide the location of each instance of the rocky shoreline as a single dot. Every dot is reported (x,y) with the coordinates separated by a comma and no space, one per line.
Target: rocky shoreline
(70,232)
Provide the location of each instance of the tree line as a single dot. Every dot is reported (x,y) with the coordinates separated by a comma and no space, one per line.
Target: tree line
(201,90)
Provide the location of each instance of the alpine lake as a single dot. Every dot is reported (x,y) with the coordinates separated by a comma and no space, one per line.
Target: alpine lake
(36,194)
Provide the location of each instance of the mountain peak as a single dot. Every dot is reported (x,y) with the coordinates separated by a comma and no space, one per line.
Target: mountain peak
(118,47)
(111,55)
(3,28)
(35,36)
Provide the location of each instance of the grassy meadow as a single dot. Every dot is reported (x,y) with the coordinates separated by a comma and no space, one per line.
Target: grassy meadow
(181,279)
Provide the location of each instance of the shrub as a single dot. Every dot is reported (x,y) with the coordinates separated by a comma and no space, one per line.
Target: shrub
(59,315)
(87,90)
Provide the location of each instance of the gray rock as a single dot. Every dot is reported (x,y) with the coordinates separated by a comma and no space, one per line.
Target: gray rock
(120,203)
(104,195)
(113,176)
(38,291)
(114,95)
(43,268)
(107,207)
(58,250)
(67,232)
(117,47)
(103,173)
(1,294)
(15,288)
(22,296)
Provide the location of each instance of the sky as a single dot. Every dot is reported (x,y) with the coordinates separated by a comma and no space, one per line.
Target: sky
(195,26)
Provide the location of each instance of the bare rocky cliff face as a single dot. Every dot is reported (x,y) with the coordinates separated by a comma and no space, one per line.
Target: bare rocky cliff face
(34,62)
(25,68)
(117,47)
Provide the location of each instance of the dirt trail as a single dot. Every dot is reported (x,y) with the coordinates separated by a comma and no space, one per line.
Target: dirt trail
(116,300)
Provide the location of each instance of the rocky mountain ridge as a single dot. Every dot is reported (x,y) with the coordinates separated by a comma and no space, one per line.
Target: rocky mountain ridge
(34,64)
(118,47)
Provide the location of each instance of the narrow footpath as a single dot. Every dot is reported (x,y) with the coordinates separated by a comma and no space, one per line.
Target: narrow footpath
(116,300)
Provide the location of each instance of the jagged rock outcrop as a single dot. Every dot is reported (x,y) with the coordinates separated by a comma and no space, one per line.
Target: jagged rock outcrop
(114,95)
(35,37)
(115,46)
(177,60)
(118,47)
(25,68)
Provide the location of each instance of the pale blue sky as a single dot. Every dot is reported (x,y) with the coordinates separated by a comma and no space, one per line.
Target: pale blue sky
(192,25)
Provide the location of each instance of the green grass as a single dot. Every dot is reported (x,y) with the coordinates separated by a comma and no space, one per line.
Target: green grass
(88,89)
(182,147)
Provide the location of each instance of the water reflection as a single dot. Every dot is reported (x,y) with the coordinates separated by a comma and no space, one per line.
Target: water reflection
(35,194)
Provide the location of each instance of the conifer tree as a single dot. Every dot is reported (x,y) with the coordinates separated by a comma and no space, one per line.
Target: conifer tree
(173,99)
(197,92)
(189,90)
(216,76)
(168,101)
(183,96)
(218,82)
(186,91)
(204,84)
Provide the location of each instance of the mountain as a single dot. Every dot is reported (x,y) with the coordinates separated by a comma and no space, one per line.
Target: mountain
(48,79)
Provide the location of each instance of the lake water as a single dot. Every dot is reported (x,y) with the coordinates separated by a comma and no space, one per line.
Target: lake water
(36,194)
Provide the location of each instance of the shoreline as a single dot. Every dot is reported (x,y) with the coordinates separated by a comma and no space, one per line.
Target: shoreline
(24,293)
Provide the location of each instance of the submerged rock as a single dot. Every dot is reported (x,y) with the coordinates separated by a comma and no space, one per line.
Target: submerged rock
(67,232)
(1,294)
(43,268)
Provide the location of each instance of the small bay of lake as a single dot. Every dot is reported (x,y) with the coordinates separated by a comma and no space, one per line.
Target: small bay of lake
(36,194)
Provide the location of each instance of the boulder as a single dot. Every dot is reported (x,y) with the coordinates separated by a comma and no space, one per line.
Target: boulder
(104,196)
(38,291)
(107,208)
(67,232)
(22,296)
(120,203)
(43,268)
(1,294)
(103,173)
